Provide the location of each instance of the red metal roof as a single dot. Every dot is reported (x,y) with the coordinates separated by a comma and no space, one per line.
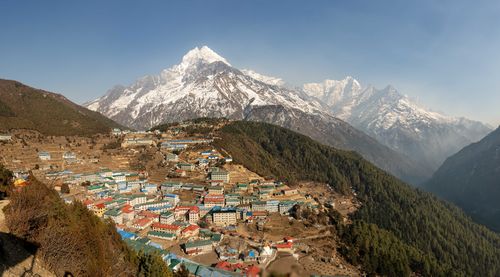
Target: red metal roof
(191,228)
(127,209)
(87,202)
(284,245)
(149,214)
(165,226)
(252,271)
(142,221)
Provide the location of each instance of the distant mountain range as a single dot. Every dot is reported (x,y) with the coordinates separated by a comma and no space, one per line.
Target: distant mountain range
(24,107)
(397,121)
(332,131)
(204,84)
(471,180)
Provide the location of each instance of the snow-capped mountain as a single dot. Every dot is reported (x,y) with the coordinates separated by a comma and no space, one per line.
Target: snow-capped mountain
(396,121)
(204,84)
(332,131)
(263,78)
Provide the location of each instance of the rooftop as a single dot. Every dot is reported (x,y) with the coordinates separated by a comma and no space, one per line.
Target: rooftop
(197,243)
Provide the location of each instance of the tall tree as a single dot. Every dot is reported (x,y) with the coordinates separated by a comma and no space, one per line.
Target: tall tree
(5,181)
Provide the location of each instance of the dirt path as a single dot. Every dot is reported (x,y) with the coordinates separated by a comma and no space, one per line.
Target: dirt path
(325,234)
(17,258)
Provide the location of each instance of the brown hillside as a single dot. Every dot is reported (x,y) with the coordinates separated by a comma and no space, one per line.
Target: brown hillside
(24,107)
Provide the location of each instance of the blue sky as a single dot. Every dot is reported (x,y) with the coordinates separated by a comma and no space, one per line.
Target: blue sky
(443,53)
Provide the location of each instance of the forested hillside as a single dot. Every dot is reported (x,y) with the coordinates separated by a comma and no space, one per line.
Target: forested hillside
(471,180)
(397,230)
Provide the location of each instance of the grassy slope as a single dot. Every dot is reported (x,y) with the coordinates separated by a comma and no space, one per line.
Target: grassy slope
(437,238)
(23,107)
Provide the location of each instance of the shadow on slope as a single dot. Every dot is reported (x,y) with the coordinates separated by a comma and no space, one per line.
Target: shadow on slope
(18,254)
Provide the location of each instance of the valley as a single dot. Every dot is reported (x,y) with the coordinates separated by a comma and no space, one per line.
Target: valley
(471,180)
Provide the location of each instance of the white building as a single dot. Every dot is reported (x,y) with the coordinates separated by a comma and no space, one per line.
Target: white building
(44,156)
(5,137)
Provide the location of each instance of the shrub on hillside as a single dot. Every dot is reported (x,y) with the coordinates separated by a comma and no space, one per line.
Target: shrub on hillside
(5,181)
(71,238)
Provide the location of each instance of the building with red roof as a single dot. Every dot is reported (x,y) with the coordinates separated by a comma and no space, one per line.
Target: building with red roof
(212,200)
(88,203)
(181,212)
(190,231)
(142,223)
(128,212)
(166,228)
(259,214)
(148,214)
(285,246)
(252,271)
(194,214)
(99,209)
(224,265)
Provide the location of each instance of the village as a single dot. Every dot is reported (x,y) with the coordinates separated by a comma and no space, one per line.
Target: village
(175,193)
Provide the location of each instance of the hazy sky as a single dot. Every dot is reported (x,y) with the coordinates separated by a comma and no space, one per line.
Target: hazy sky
(446,54)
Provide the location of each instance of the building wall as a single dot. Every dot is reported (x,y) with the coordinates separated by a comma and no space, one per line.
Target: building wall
(224,218)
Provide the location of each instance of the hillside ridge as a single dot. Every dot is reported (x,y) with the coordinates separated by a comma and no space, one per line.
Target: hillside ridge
(25,107)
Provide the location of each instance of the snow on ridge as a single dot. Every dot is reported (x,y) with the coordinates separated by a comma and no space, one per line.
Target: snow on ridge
(93,106)
(270,80)
(388,106)
(202,54)
(196,86)
(333,91)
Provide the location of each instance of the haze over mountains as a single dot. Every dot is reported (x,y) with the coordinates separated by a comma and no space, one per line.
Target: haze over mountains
(396,121)
(204,84)
(471,180)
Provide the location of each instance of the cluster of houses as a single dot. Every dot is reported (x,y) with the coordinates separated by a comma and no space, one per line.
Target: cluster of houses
(181,144)
(149,215)
(206,162)
(174,262)
(157,212)
(132,202)
(143,138)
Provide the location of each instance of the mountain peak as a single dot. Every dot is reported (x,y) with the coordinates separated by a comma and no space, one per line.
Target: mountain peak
(390,88)
(204,54)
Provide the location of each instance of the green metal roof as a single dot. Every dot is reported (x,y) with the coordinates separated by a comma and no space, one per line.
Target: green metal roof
(197,243)
(113,212)
(161,234)
(166,213)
